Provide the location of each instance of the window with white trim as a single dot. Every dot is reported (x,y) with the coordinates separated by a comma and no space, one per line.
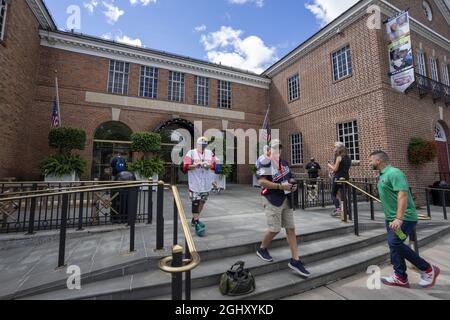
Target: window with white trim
(176,86)
(148,87)
(224,95)
(118,77)
(348,134)
(201,91)
(434,69)
(296,149)
(342,63)
(421,67)
(3,7)
(445,78)
(293,88)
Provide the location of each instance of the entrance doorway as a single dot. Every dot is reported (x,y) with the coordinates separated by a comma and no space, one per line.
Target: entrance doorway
(110,139)
(443,157)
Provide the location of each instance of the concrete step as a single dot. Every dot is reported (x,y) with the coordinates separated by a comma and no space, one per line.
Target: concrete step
(149,264)
(276,285)
(157,283)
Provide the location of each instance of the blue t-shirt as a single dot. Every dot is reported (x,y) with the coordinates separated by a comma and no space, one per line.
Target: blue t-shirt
(275,197)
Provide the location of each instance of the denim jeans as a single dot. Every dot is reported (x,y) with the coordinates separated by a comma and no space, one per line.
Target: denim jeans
(401,252)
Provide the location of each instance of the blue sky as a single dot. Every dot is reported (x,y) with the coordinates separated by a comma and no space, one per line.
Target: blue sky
(247,34)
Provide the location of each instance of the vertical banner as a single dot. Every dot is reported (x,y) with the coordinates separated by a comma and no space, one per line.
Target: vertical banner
(401,67)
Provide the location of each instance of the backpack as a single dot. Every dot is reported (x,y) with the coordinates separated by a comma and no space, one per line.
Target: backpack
(120,165)
(237,281)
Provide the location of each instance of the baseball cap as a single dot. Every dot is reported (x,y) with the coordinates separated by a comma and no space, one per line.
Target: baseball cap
(202,141)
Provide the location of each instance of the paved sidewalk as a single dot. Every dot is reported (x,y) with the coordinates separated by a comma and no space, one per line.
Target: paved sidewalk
(355,288)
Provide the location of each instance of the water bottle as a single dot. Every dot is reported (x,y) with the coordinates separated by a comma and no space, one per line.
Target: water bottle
(400,234)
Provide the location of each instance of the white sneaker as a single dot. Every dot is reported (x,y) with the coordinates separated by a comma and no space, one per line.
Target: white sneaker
(428,279)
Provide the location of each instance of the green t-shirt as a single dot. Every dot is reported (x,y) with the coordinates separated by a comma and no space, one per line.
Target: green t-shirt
(390,183)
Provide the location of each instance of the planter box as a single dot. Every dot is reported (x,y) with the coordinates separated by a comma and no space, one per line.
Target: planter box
(141,178)
(67,178)
(255,182)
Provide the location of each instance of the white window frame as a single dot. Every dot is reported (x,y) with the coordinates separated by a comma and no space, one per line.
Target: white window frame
(421,65)
(224,95)
(148,80)
(297,149)
(348,133)
(4,5)
(294,88)
(342,63)
(176,86)
(445,76)
(434,69)
(201,91)
(112,82)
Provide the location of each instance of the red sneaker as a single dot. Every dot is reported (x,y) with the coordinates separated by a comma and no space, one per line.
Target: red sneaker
(395,281)
(428,279)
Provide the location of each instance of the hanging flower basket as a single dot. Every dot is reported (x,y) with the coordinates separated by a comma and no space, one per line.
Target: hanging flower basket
(421,151)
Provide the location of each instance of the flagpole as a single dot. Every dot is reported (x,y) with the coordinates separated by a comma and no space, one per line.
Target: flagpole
(57,96)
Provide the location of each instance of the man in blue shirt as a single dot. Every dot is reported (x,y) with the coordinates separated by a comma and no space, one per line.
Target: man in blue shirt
(274,178)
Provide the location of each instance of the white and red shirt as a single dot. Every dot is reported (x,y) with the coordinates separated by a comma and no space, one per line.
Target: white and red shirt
(200,179)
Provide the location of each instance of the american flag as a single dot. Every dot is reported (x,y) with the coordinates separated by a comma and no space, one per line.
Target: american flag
(55,114)
(267,132)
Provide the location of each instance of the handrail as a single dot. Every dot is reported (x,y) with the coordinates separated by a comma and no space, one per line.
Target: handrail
(134,184)
(191,263)
(360,190)
(78,188)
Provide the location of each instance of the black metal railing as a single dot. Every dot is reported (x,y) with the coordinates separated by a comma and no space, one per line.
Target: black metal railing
(19,212)
(437,89)
(316,193)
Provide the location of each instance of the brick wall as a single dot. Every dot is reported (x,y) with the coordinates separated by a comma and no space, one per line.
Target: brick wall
(19,61)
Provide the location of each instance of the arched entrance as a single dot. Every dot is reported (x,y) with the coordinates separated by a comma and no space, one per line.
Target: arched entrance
(110,138)
(443,158)
(166,129)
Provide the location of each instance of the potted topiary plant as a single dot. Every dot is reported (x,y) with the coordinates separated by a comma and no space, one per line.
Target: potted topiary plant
(223,174)
(147,165)
(65,166)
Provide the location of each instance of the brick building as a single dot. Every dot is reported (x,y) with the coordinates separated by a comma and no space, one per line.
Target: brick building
(333,86)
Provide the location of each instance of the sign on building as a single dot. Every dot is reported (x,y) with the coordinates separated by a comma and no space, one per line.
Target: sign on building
(401,67)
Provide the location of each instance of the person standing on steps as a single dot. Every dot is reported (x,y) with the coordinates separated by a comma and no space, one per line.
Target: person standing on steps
(340,170)
(198,163)
(276,191)
(401,221)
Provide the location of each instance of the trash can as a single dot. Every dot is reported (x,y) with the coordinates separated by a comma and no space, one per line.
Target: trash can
(119,205)
(437,198)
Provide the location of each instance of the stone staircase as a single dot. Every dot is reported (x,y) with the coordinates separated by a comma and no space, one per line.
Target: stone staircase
(329,254)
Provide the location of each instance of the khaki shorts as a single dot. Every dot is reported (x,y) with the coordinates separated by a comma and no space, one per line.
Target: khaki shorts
(278,217)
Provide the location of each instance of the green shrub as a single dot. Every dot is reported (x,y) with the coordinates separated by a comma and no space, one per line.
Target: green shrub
(67,139)
(421,151)
(227,170)
(61,165)
(146,142)
(253,169)
(148,167)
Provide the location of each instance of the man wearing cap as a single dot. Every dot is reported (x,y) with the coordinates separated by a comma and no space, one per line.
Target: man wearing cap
(198,163)
(313,169)
(277,188)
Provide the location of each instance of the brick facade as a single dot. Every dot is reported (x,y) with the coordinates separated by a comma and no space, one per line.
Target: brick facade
(386,119)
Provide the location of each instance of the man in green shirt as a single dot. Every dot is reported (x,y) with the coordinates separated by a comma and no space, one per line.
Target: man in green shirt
(401,221)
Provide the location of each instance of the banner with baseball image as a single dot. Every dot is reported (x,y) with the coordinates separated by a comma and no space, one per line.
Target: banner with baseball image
(401,67)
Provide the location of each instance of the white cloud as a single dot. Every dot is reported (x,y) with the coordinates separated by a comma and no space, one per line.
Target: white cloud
(112,12)
(327,10)
(143,2)
(228,47)
(200,28)
(91,5)
(123,39)
(258,3)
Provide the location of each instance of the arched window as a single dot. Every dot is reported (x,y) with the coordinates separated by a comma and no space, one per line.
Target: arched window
(113,131)
(439,133)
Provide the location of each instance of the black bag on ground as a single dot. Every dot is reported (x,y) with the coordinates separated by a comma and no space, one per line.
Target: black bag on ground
(237,281)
